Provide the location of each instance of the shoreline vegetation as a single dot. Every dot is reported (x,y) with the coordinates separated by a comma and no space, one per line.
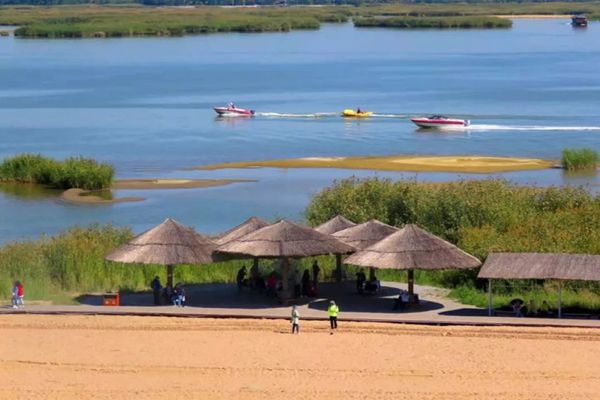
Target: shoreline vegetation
(131,19)
(88,181)
(478,216)
(466,164)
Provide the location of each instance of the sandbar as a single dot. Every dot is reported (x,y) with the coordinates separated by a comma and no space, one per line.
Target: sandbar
(467,164)
(87,197)
(149,184)
(110,357)
(534,16)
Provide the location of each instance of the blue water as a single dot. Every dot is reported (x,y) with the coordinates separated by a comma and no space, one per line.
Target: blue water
(144,105)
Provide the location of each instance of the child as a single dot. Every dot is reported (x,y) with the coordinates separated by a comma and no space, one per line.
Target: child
(295,320)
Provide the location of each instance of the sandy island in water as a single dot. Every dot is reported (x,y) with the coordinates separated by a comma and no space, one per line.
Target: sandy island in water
(90,197)
(535,16)
(468,164)
(106,357)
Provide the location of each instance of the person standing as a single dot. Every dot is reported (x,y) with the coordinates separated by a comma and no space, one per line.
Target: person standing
(156,288)
(15,295)
(240,278)
(315,270)
(20,294)
(333,311)
(295,320)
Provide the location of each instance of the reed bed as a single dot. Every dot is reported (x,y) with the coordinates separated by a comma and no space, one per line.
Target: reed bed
(74,172)
(132,19)
(580,159)
(442,22)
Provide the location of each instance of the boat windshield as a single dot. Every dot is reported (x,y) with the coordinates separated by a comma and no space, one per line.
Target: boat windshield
(437,117)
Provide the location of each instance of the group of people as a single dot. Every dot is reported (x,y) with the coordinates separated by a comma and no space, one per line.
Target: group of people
(332,311)
(304,285)
(169,294)
(531,309)
(367,286)
(18,295)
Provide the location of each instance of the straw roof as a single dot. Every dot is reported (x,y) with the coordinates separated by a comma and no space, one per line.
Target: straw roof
(169,243)
(334,225)
(285,239)
(585,267)
(366,234)
(250,225)
(413,248)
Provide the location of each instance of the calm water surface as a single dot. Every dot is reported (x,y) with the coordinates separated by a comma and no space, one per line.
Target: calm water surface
(144,105)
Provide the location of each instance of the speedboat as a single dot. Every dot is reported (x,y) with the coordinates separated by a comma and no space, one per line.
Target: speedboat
(579,20)
(349,113)
(438,121)
(233,111)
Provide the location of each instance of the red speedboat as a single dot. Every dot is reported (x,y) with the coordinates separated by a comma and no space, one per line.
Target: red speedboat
(232,111)
(438,121)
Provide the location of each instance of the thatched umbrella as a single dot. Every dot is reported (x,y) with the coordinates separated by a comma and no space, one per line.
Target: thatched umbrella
(169,243)
(334,225)
(330,227)
(364,235)
(250,225)
(284,240)
(413,248)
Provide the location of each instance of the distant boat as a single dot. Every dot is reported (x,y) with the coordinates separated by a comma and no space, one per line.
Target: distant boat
(438,121)
(349,113)
(232,111)
(579,20)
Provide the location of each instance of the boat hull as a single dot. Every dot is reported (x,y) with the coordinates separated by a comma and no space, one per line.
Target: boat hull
(439,123)
(233,112)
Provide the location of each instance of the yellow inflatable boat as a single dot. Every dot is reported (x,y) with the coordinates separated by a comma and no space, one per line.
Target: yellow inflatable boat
(354,114)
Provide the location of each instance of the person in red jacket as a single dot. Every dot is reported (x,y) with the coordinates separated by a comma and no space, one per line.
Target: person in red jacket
(20,294)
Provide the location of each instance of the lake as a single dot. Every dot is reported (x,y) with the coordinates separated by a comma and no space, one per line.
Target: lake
(145,105)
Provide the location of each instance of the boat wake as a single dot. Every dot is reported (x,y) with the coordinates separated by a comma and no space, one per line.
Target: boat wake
(482,127)
(292,115)
(402,116)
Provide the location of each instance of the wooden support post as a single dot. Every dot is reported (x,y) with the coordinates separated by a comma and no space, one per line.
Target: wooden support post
(254,269)
(285,275)
(490,302)
(338,267)
(559,299)
(170,275)
(411,282)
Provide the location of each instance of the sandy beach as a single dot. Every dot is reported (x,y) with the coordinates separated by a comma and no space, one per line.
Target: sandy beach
(81,357)
(472,164)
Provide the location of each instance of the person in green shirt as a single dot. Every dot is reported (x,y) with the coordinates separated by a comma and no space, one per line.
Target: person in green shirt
(333,311)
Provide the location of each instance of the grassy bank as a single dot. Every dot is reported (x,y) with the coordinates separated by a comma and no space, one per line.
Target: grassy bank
(74,172)
(452,22)
(480,217)
(580,159)
(93,21)
(135,20)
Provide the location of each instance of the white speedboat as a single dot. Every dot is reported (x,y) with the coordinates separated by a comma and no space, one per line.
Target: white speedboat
(438,121)
(232,111)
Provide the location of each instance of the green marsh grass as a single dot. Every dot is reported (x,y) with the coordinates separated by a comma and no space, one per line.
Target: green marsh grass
(74,172)
(579,159)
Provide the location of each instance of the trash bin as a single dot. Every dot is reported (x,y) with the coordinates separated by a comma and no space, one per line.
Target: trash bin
(111,299)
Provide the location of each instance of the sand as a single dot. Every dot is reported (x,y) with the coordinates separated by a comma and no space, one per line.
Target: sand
(467,164)
(535,16)
(86,197)
(101,357)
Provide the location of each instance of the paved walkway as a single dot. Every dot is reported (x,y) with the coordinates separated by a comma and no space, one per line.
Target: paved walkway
(221,300)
